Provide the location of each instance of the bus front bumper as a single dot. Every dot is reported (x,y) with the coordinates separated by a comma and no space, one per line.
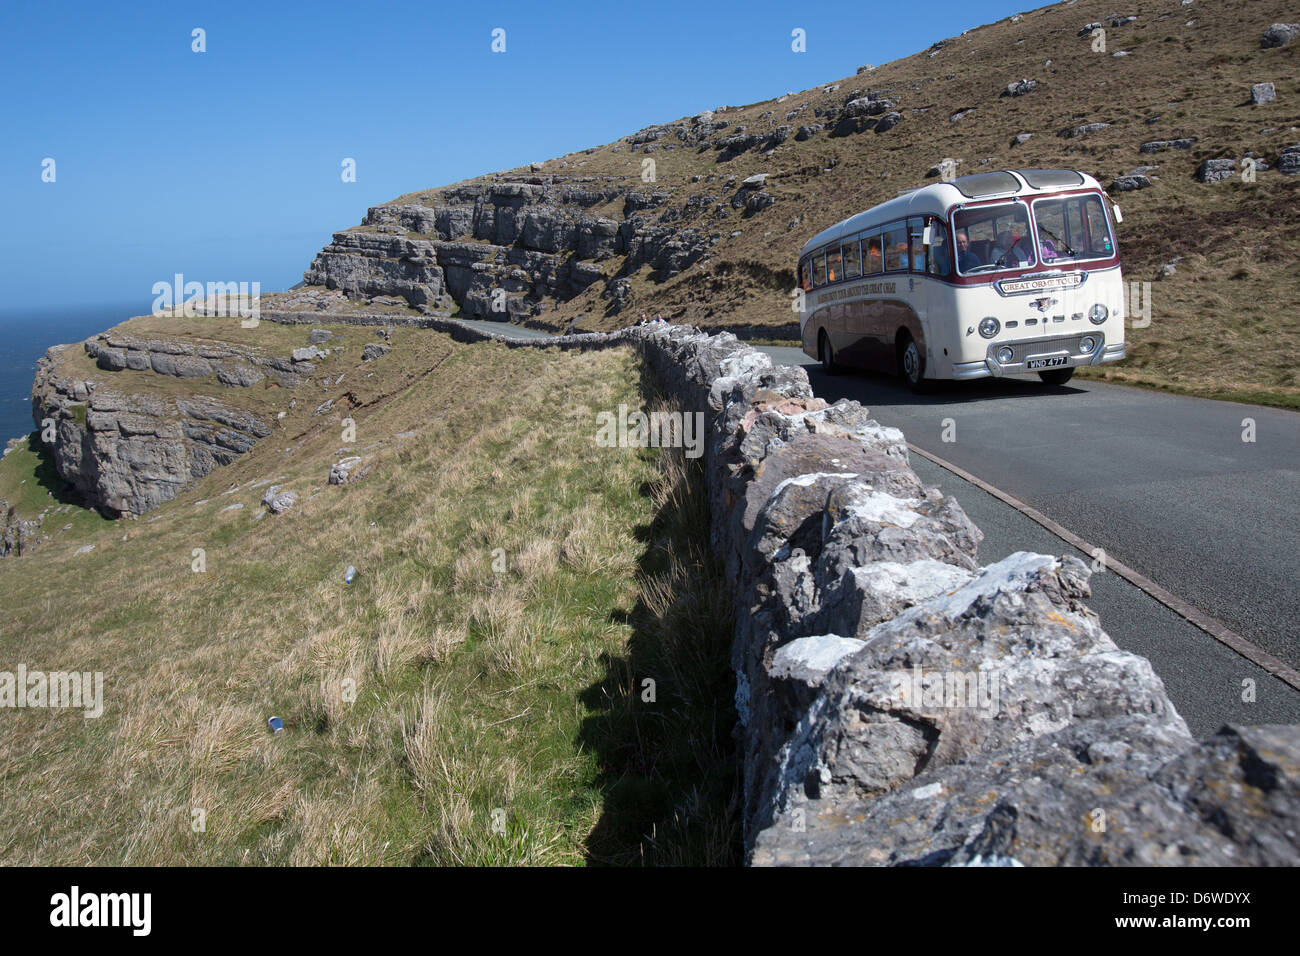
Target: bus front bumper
(991,367)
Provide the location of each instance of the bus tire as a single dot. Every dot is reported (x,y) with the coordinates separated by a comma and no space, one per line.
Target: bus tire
(1056,376)
(827,354)
(911,363)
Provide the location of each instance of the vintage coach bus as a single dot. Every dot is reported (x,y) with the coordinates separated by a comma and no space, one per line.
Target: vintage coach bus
(999,273)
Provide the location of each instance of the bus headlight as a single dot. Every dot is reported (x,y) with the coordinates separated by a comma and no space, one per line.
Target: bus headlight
(1087,344)
(989,327)
(1005,355)
(1098,314)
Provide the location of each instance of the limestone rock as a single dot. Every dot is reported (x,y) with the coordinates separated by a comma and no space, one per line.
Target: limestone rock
(277,501)
(1160,145)
(17,536)
(1279,34)
(1261,93)
(1129,183)
(1288,163)
(341,470)
(888,122)
(1214,170)
(233,365)
(1083,130)
(1229,801)
(129,452)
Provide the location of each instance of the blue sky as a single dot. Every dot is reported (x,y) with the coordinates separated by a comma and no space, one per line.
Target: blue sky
(225,165)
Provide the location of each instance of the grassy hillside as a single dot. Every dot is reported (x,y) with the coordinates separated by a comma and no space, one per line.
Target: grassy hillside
(1223,324)
(439,709)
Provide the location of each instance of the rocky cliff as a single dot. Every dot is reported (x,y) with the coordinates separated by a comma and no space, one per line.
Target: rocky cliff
(503,249)
(131,421)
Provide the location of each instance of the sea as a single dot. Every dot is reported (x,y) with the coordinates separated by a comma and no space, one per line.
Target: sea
(25,334)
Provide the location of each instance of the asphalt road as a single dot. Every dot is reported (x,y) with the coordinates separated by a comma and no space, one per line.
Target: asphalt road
(505,328)
(1163,483)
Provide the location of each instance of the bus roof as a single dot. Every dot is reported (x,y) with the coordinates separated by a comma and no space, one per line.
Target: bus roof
(937,198)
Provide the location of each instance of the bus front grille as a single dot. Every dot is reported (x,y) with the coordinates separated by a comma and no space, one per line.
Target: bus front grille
(1045,346)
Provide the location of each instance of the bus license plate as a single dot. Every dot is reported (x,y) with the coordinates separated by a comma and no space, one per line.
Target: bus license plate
(1048,362)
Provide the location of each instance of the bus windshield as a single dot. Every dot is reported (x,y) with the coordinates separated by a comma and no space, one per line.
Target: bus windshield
(1072,228)
(993,239)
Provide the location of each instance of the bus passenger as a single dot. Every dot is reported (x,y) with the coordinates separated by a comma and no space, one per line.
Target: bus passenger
(1009,251)
(873,264)
(966,259)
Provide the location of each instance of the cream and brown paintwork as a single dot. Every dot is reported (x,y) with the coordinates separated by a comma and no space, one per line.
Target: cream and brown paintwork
(1041,308)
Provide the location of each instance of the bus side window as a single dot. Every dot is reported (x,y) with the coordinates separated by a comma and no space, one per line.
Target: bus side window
(1098,231)
(833,269)
(872,264)
(852,260)
(819,270)
(895,242)
(940,259)
(805,280)
(915,229)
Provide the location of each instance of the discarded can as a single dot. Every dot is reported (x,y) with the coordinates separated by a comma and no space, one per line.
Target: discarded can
(276,725)
(349,574)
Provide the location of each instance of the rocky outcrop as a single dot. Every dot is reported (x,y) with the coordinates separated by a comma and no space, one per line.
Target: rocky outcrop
(1214,170)
(114,351)
(18,536)
(526,239)
(128,451)
(278,501)
(1160,145)
(362,265)
(502,249)
(1279,34)
(1288,163)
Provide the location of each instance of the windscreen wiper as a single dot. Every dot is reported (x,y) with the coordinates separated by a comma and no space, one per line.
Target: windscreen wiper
(1065,245)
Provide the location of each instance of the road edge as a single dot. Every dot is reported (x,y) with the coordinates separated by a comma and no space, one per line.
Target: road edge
(1188,612)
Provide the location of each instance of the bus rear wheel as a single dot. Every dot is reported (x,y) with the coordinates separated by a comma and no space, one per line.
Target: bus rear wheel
(1056,376)
(911,363)
(827,354)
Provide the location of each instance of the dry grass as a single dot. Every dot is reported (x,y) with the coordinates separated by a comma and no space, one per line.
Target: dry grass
(438,709)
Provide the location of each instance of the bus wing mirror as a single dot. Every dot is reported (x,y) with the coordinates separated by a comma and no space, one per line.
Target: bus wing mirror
(927,236)
(1119,216)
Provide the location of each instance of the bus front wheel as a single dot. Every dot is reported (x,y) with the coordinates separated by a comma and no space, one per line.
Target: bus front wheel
(827,354)
(1056,376)
(911,363)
